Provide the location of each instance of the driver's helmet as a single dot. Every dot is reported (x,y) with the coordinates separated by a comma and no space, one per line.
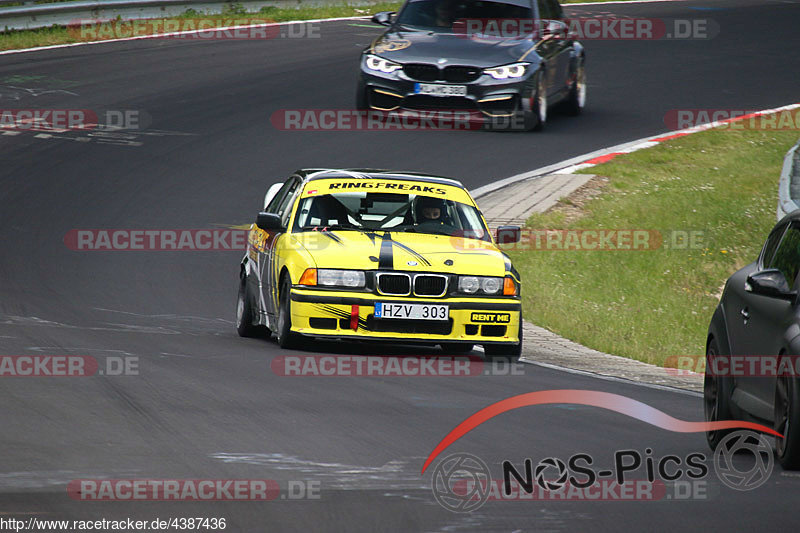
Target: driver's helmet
(429,209)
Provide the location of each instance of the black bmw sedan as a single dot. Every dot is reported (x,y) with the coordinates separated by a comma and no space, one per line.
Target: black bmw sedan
(501,59)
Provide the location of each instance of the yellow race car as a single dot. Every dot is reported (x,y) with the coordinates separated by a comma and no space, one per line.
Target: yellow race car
(377,255)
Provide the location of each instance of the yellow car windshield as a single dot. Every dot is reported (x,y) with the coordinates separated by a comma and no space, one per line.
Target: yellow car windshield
(373,211)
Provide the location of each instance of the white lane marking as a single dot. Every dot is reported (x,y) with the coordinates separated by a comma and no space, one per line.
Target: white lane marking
(396,474)
(665,388)
(186,32)
(58,349)
(26,321)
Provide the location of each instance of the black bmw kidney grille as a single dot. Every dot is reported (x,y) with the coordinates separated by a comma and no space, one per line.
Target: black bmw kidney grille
(429,285)
(461,74)
(421,72)
(394,284)
(453,74)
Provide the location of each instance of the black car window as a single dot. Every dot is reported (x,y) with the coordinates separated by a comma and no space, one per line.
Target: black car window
(545,10)
(280,196)
(787,256)
(556,12)
(772,243)
(285,207)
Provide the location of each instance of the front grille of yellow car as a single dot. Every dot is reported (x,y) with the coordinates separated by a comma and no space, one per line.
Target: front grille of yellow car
(430,285)
(394,284)
(401,284)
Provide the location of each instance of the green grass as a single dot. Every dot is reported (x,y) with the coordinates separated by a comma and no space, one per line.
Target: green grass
(16,39)
(648,305)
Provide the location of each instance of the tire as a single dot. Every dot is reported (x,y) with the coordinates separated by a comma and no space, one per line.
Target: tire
(538,114)
(505,352)
(716,398)
(244,313)
(456,348)
(522,120)
(576,100)
(787,421)
(286,339)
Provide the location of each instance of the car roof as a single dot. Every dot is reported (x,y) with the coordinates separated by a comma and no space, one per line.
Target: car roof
(310,174)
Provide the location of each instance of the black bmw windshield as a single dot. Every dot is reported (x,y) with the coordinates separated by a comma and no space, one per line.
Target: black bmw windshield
(442,15)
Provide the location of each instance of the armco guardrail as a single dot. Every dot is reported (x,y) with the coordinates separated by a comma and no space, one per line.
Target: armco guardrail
(789,185)
(31,16)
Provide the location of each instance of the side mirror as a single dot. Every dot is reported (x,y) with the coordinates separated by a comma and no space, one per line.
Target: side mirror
(269,221)
(771,283)
(384,18)
(508,234)
(555,29)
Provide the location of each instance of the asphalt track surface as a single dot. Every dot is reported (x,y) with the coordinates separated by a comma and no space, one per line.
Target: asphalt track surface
(205,403)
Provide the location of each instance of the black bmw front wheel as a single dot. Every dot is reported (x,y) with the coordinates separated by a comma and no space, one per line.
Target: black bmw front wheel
(715,397)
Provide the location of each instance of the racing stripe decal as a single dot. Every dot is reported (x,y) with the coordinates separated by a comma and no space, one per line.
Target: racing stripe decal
(332,236)
(362,323)
(386,256)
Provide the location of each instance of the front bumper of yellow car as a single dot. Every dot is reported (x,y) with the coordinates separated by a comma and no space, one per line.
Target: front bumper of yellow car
(351,315)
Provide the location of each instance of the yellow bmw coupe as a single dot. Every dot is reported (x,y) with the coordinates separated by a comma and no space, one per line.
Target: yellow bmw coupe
(376,255)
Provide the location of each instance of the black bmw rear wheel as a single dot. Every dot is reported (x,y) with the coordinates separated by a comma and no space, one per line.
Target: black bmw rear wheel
(576,100)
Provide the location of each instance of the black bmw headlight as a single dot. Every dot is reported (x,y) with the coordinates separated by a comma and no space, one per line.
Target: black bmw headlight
(380,64)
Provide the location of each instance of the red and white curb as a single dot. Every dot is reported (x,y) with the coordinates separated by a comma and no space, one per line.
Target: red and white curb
(604,155)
